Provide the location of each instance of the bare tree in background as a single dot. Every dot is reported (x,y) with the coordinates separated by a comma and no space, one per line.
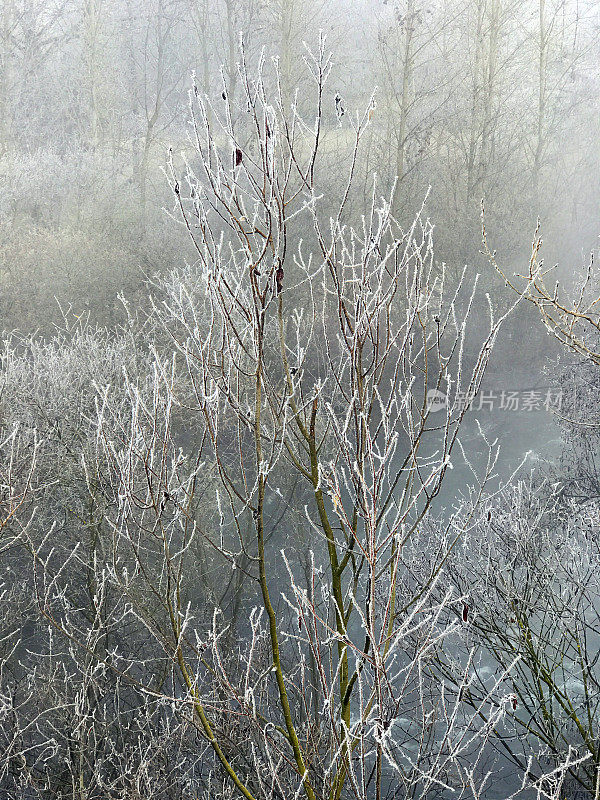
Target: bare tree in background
(573,318)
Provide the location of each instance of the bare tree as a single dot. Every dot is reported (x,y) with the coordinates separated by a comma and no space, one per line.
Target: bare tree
(536,611)
(574,321)
(311,347)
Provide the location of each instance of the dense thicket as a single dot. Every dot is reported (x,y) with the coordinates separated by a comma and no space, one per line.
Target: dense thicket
(243,552)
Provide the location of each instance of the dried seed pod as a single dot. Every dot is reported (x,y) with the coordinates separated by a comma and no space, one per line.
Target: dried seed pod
(279,278)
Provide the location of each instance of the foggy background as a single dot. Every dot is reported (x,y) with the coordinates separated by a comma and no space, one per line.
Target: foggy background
(485,99)
(471,102)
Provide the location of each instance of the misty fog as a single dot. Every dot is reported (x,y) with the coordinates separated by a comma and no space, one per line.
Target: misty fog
(299,399)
